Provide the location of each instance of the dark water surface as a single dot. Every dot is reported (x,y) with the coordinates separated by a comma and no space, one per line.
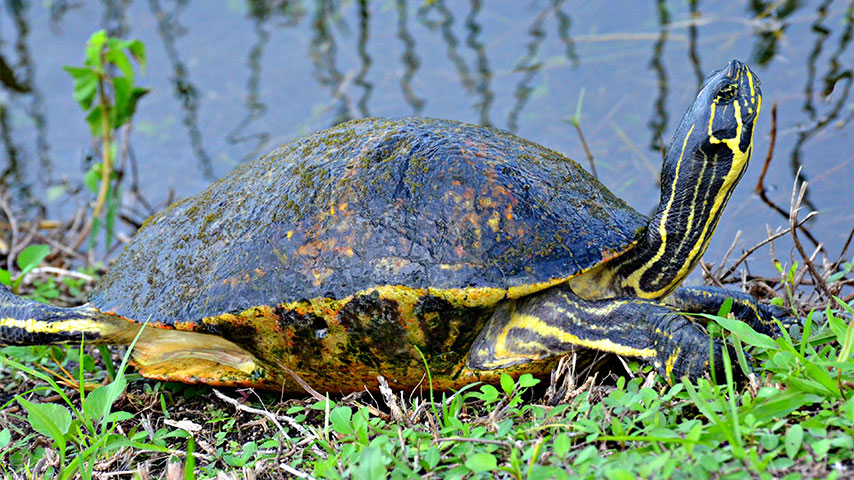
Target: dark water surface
(231,79)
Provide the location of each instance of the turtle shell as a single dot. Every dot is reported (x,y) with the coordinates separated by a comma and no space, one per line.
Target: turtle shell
(370,208)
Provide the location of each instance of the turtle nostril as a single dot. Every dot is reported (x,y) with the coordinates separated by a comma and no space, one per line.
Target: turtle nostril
(734,67)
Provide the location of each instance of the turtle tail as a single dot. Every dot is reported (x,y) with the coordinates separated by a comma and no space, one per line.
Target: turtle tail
(27,322)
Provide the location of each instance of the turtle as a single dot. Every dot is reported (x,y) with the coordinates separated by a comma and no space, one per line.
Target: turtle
(402,247)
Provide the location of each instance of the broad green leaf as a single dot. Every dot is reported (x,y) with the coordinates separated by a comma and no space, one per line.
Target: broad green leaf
(323,405)
(85,86)
(371,464)
(5,437)
(340,418)
(430,458)
(248,451)
(620,474)
(794,440)
(561,445)
(527,380)
(137,49)
(5,277)
(782,403)
(589,452)
(49,419)
(743,330)
(119,416)
(726,307)
(31,257)
(92,178)
(93,49)
(100,401)
(127,97)
(489,393)
(121,60)
(481,462)
(95,121)
(507,383)
(78,72)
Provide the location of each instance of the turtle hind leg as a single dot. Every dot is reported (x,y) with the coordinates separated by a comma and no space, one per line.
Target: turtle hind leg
(556,321)
(166,348)
(745,307)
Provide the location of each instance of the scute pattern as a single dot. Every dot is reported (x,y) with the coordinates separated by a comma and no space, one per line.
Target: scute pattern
(414,202)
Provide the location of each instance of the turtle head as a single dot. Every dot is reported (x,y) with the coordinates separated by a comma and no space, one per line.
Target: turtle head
(713,143)
(706,159)
(725,113)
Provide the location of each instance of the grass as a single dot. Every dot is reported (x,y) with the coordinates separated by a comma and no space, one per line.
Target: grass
(794,418)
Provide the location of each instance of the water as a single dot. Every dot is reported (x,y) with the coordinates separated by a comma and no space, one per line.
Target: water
(230,80)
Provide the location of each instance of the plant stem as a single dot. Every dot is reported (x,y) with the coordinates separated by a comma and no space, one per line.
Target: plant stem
(106,161)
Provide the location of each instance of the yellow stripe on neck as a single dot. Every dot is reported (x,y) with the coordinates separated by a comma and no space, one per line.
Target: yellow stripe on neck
(633,280)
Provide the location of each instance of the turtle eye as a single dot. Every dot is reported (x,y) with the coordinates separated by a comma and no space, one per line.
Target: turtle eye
(726,93)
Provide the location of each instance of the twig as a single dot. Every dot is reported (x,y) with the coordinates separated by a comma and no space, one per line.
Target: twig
(707,272)
(424,405)
(64,273)
(586,149)
(317,396)
(294,472)
(388,395)
(264,413)
(752,249)
(729,252)
(760,184)
(474,440)
(841,258)
(795,205)
(116,473)
(59,246)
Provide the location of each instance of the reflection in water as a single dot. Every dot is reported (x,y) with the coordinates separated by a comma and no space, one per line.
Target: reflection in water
(767,40)
(563,24)
(323,50)
(409,59)
(11,175)
(473,83)
(485,75)
(364,33)
(168,28)
(114,18)
(658,122)
(692,43)
(9,80)
(261,12)
(21,81)
(446,25)
(530,64)
(837,81)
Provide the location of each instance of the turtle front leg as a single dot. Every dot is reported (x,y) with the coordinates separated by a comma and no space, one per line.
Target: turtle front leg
(744,307)
(556,322)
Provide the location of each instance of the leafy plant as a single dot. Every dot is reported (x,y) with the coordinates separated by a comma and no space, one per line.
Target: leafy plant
(88,430)
(105,87)
(29,258)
